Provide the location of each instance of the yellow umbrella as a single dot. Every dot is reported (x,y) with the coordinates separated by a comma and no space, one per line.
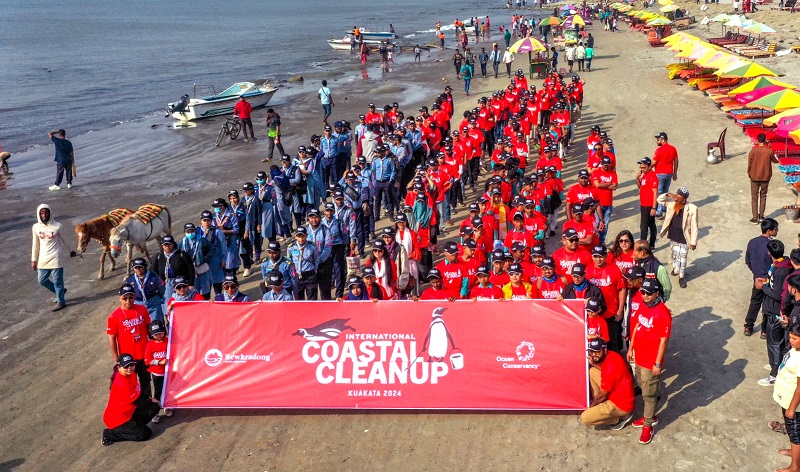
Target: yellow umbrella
(528,44)
(749,69)
(724,61)
(665,2)
(778,101)
(625,8)
(660,21)
(669,8)
(708,57)
(758,83)
(774,119)
(795,135)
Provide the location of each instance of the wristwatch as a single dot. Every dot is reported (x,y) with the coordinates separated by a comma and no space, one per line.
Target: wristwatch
(657,364)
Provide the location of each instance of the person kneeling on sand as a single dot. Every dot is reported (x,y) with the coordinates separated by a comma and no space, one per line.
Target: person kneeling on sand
(612,387)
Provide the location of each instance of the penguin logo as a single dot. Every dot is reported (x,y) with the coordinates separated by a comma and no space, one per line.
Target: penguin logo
(438,341)
(325,331)
(213,357)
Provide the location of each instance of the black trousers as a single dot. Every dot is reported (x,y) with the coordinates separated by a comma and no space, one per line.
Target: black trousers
(756,299)
(306,286)
(777,342)
(247,249)
(483,69)
(158,385)
(144,378)
(614,334)
(247,123)
(135,429)
(338,256)
(473,170)
(325,278)
(647,224)
(62,169)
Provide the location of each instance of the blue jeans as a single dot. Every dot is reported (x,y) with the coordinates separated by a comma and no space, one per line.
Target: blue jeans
(326,110)
(663,187)
(56,285)
(466,85)
(606,211)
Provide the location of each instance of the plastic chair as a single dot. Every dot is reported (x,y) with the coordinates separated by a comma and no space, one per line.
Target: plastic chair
(720,144)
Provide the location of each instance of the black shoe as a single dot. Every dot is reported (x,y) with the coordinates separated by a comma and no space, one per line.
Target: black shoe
(748,330)
(637,390)
(552,233)
(105,441)
(754,221)
(59,307)
(763,334)
(682,282)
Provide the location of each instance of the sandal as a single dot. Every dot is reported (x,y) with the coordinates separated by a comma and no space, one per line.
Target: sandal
(778,427)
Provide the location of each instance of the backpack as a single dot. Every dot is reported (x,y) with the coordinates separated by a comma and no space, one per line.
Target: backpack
(282,181)
(302,187)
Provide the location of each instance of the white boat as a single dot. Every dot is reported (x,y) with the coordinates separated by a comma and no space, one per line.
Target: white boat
(258,93)
(346,43)
(366,34)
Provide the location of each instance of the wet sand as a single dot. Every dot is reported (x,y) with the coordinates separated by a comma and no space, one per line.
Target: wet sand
(56,366)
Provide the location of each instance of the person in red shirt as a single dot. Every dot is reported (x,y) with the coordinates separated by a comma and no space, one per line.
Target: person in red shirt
(593,139)
(518,234)
(647,181)
(622,253)
(605,181)
(516,288)
(648,349)
(570,253)
(634,277)
(468,261)
(453,273)
(127,332)
(612,387)
(609,279)
(596,326)
(665,163)
(550,285)
(374,118)
(243,109)
(437,290)
(580,191)
(583,226)
(498,277)
(485,289)
(128,411)
(155,356)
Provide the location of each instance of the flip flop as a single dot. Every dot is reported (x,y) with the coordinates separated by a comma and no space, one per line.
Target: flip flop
(778,427)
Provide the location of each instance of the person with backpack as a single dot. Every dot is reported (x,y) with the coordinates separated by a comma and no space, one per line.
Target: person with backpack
(297,188)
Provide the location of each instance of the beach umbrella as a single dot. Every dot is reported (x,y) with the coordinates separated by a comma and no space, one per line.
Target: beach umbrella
(725,61)
(778,101)
(748,70)
(527,45)
(754,95)
(669,8)
(721,18)
(734,22)
(660,21)
(758,83)
(759,28)
(710,56)
(665,2)
(572,20)
(551,21)
(795,135)
(626,8)
(787,125)
(774,120)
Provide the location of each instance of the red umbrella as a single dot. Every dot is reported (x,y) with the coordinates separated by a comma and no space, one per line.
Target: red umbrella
(753,95)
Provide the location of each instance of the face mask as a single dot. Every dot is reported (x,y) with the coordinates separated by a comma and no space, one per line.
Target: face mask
(217,210)
(260,181)
(190,236)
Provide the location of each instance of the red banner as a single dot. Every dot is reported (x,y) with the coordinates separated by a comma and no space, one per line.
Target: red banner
(516,355)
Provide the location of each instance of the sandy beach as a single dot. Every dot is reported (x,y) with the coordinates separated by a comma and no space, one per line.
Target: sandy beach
(55,367)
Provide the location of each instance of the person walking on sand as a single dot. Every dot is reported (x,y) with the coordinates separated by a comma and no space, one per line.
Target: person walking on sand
(417,52)
(759,169)
(496,57)
(483,58)
(243,109)
(680,226)
(647,182)
(508,58)
(580,56)
(273,134)
(458,59)
(665,164)
(65,157)
(758,261)
(4,157)
(507,37)
(466,74)
(49,254)
(589,57)
(325,97)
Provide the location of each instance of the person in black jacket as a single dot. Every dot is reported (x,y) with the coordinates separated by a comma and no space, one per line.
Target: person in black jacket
(758,261)
(772,286)
(172,262)
(580,288)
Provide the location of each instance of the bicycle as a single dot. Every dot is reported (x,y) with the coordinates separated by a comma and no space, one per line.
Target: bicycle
(232,127)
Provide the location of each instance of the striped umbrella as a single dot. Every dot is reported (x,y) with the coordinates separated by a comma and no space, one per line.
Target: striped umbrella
(778,101)
(754,95)
(527,45)
(749,69)
(758,83)
(775,120)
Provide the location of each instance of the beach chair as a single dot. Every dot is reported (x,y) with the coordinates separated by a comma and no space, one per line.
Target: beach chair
(796,49)
(728,36)
(769,52)
(719,144)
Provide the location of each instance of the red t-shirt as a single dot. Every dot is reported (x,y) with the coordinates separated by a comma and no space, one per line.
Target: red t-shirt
(663,158)
(470,267)
(120,407)
(635,304)
(585,227)
(578,193)
(156,351)
(565,260)
(652,324)
(649,183)
(550,290)
(492,292)
(130,326)
(432,294)
(616,379)
(596,327)
(609,279)
(606,196)
(452,276)
(499,280)
(242,109)
(623,261)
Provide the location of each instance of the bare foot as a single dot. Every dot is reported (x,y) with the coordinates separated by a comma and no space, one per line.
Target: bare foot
(785,452)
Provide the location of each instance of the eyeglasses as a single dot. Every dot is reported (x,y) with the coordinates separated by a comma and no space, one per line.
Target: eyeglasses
(625,241)
(131,366)
(128,297)
(377,250)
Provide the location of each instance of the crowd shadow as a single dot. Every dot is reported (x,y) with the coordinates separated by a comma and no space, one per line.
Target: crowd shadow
(8,466)
(715,261)
(697,384)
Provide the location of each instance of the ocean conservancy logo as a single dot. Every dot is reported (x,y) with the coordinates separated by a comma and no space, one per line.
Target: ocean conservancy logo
(215,357)
(524,353)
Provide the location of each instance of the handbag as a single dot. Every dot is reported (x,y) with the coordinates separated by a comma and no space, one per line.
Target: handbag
(202,268)
(74,170)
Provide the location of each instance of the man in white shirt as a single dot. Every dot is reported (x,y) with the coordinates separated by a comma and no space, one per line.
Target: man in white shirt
(326,99)
(508,58)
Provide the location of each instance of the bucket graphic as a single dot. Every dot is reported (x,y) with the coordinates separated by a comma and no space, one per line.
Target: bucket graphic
(456,359)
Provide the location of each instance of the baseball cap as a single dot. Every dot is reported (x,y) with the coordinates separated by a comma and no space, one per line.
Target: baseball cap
(421,197)
(498,255)
(330,206)
(529,203)
(683,192)
(274,246)
(538,250)
(168,240)
(661,135)
(548,262)
(451,248)
(156,327)
(645,160)
(477,222)
(189,227)
(583,173)
(474,207)
(301,230)
(354,280)
(635,272)
(125,290)
(379,244)
(401,217)
(650,286)
(482,270)
(515,269)
(496,192)
(471,244)
(605,161)
(125,360)
(139,262)
(181,281)
(230,279)
(248,186)
(338,194)
(599,250)
(570,233)
(434,274)
(367,272)
(206,215)
(577,208)
(594,305)
(274,278)
(517,246)
(388,232)
(233,193)
(313,212)
(519,216)
(467,230)
(596,345)
(578,269)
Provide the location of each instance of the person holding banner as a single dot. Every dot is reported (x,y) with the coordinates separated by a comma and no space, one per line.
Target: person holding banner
(127,332)
(277,292)
(305,258)
(230,291)
(437,290)
(128,410)
(612,387)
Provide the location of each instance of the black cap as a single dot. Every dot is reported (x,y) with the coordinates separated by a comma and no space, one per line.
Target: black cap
(498,255)
(367,272)
(517,246)
(482,270)
(635,272)
(401,218)
(206,215)
(388,231)
(570,233)
(230,279)
(548,262)
(125,290)
(301,230)
(605,161)
(683,192)
(274,246)
(594,304)
(156,327)
(539,250)
(599,250)
(168,240)
(354,280)
(578,269)
(577,208)
(248,186)
(515,269)
(477,222)
(338,194)
(313,212)
(583,173)
(421,197)
(261,175)
(474,207)
(180,281)
(467,230)
(434,274)
(219,203)
(645,160)
(189,227)
(519,216)
(650,286)
(451,248)
(471,244)
(233,193)
(139,262)
(274,278)
(662,135)
(125,360)
(330,206)
(379,244)
(596,345)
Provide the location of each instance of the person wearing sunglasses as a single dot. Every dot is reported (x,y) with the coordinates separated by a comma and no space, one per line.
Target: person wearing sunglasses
(127,332)
(129,408)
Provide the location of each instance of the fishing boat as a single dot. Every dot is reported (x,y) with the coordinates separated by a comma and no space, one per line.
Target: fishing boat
(379,35)
(345,43)
(258,93)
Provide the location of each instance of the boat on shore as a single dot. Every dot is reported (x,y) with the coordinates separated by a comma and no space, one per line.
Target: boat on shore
(375,35)
(258,93)
(345,43)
